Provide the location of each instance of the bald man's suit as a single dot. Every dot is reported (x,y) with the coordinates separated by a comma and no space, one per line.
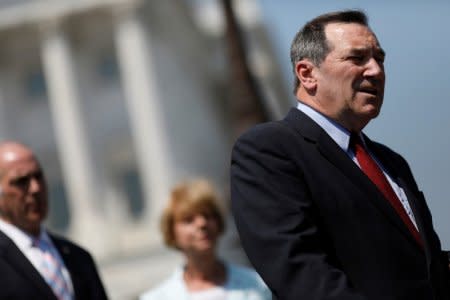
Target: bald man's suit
(316,228)
(21,281)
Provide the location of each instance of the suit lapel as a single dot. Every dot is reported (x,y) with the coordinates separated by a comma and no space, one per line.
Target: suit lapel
(311,131)
(417,211)
(12,255)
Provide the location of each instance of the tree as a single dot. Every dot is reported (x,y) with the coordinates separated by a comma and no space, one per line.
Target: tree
(247,103)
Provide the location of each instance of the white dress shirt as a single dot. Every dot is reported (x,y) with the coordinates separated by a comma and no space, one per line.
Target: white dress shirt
(34,254)
(215,293)
(342,137)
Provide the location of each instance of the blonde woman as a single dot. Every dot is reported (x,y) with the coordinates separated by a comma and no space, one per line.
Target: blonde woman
(192,223)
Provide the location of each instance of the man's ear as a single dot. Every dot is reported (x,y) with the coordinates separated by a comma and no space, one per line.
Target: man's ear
(306,76)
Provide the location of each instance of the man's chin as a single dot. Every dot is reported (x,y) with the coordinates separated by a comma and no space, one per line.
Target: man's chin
(373,114)
(31,227)
(372,111)
(35,219)
(36,213)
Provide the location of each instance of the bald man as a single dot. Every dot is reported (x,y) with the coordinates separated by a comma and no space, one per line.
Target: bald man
(34,263)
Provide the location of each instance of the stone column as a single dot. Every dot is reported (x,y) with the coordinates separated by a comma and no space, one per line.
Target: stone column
(71,136)
(4,130)
(144,106)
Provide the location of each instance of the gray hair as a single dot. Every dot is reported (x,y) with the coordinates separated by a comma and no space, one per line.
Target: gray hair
(310,41)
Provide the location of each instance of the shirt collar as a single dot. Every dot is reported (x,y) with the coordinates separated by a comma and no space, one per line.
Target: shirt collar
(22,239)
(338,133)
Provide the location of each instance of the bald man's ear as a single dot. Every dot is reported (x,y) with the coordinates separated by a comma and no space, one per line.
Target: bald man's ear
(304,71)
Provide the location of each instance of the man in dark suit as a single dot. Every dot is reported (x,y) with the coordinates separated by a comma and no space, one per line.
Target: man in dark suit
(323,212)
(35,264)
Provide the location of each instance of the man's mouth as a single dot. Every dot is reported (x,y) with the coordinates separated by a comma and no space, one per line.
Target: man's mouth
(369,90)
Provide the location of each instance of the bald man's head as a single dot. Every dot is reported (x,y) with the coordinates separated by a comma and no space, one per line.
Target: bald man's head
(23,199)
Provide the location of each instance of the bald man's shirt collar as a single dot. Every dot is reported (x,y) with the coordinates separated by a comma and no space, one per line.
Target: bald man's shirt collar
(27,245)
(22,239)
(19,237)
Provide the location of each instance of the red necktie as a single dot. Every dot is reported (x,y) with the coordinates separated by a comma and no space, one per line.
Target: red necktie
(373,171)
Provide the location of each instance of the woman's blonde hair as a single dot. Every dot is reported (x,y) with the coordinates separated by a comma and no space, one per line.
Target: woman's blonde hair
(188,198)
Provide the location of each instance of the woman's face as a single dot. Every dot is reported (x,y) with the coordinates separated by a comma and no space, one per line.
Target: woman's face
(196,233)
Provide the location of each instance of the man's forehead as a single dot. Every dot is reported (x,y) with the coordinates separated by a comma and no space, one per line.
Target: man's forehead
(351,36)
(9,156)
(18,162)
(349,30)
(14,151)
(22,166)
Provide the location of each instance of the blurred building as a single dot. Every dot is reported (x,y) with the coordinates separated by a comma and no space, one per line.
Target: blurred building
(121,99)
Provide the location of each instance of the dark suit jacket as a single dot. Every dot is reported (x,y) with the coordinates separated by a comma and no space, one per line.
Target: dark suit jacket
(315,227)
(19,280)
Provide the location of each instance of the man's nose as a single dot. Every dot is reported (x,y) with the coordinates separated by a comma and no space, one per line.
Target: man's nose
(35,185)
(374,68)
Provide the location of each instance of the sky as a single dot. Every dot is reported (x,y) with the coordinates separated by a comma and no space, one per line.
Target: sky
(415,116)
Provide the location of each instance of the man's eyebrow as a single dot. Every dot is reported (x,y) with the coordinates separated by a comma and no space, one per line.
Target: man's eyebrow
(27,173)
(378,50)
